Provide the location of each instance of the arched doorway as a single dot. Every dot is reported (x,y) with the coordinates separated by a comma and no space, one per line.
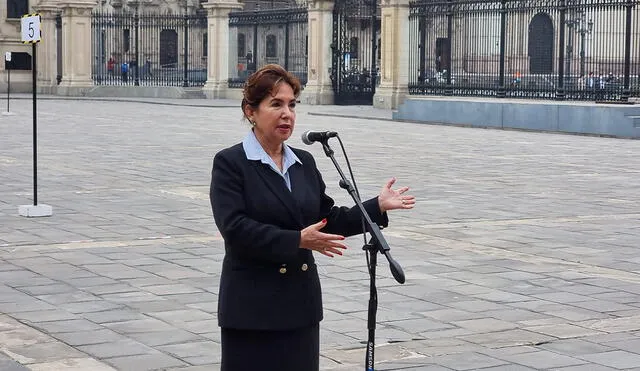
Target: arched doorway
(541,44)
(168,48)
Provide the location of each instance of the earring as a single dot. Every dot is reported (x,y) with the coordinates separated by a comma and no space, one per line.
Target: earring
(253,123)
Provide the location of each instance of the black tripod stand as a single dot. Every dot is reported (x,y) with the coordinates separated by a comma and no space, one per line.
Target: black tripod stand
(377,244)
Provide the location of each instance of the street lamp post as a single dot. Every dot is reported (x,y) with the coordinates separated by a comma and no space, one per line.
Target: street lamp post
(570,23)
(185,77)
(581,26)
(583,32)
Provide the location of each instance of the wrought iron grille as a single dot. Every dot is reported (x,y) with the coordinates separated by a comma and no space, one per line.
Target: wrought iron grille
(260,37)
(149,49)
(548,49)
(356,51)
(59,49)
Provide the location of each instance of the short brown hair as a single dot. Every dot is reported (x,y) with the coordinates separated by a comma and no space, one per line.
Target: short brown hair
(263,81)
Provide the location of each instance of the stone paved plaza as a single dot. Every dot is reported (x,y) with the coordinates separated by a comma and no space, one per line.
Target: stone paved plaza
(523,252)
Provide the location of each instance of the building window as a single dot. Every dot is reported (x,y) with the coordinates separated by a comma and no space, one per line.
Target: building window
(272,46)
(126,40)
(17,8)
(205,44)
(241,45)
(353,47)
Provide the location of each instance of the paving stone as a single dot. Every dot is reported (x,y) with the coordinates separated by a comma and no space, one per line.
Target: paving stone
(543,360)
(156,338)
(31,305)
(88,337)
(563,297)
(470,361)
(144,362)
(200,327)
(485,325)
(190,350)
(116,348)
(115,315)
(106,289)
(73,325)
(616,359)
(9,365)
(575,347)
(501,296)
(629,345)
(195,368)
(56,288)
(613,324)
(140,325)
(70,364)
(90,306)
(506,338)
(513,315)
(509,368)
(45,315)
(604,306)
(73,296)
(476,305)
(42,352)
(181,316)
(592,367)
(193,298)
(563,330)
(577,314)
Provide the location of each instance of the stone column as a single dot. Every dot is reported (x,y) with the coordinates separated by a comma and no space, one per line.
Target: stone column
(47,48)
(394,64)
(217,84)
(76,47)
(319,89)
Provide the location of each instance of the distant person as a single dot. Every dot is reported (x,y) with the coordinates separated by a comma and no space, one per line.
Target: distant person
(124,70)
(147,68)
(251,65)
(111,64)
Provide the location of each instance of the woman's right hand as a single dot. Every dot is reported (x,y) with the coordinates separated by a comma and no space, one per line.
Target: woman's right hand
(326,244)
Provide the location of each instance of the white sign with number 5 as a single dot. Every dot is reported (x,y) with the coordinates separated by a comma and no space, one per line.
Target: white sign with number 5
(30,27)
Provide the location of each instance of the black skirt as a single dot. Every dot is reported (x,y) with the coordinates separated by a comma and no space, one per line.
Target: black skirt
(292,350)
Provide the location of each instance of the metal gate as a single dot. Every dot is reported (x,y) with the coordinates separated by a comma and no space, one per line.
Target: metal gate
(356,51)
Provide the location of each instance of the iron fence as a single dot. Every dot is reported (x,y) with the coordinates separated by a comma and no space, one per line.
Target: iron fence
(59,48)
(261,37)
(149,49)
(548,49)
(355,72)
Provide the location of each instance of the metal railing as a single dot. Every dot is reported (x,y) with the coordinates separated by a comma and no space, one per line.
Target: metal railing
(130,48)
(547,49)
(261,37)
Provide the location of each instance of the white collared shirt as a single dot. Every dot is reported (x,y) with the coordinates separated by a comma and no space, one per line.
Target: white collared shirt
(254,151)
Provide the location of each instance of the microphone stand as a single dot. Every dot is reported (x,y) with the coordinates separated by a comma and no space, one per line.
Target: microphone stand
(377,244)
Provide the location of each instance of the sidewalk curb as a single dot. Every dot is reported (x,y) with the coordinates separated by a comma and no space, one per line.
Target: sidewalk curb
(89,99)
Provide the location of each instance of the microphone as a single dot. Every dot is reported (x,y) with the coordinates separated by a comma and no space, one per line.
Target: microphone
(308,137)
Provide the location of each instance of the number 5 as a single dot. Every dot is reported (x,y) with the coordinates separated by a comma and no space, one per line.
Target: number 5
(31,30)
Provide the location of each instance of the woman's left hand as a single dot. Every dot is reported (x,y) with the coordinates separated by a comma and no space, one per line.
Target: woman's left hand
(391,199)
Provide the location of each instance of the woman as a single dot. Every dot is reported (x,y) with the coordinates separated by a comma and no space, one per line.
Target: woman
(270,206)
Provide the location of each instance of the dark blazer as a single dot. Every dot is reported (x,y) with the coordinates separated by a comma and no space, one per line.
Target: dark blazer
(268,282)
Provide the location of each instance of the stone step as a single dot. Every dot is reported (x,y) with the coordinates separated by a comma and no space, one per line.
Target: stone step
(193,93)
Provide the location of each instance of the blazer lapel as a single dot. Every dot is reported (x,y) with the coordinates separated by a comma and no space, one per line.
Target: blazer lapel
(277,186)
(296,174)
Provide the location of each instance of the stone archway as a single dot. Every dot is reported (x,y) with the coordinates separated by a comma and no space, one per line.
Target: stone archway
(541,44)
